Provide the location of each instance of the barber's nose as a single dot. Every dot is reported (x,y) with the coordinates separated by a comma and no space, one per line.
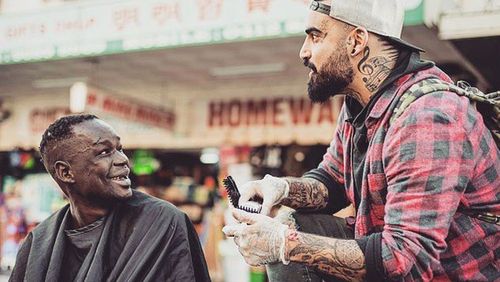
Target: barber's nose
(305,51)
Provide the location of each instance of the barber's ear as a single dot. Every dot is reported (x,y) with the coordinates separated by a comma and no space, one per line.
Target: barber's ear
(63,172)
(357,40)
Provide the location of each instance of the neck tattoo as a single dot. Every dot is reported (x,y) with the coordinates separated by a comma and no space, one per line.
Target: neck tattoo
(375,69)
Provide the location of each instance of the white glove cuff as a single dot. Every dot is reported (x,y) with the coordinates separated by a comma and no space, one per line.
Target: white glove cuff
(287,188)
(283,231)
(280,183)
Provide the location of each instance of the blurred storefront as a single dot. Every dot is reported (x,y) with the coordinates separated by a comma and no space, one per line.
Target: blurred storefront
(473,27)
(197,89)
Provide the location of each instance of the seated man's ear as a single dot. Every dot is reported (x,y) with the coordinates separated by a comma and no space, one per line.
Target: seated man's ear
(63,172)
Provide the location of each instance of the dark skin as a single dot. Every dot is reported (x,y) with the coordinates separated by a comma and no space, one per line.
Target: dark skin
(92,171)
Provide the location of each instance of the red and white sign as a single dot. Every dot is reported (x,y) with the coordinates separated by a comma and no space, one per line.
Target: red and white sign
(138,124)
(277,112)
(269,120)
(29,118)
(198,123)
(130,110)
(41,118)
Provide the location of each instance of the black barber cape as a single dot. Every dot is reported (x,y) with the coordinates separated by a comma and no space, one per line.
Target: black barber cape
(142,239)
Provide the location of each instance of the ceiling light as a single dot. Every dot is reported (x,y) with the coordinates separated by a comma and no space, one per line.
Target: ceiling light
(209,156)
(78,97)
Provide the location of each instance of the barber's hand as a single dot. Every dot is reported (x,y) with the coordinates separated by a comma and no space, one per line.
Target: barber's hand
(271,189)
(260,239)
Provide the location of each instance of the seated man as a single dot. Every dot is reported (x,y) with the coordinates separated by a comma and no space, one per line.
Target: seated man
(107,232)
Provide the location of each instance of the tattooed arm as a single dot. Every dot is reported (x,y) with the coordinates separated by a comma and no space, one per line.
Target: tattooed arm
(306,193)
(263,240)
(297,193)
(340,258)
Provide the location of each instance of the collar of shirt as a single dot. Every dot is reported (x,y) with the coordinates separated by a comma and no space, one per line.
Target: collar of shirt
(84,237)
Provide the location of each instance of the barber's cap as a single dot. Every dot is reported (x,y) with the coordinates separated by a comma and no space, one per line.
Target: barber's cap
(382,17)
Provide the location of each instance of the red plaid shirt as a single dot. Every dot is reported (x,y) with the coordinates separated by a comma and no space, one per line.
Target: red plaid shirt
(421,174)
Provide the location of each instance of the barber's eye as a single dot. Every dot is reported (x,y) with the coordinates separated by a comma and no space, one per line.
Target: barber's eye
(104,152)
(315,37)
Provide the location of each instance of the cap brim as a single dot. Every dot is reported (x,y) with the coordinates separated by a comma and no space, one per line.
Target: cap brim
(402,43)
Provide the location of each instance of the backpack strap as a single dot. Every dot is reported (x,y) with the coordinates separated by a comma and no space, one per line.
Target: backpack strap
(416,91)
(478,98)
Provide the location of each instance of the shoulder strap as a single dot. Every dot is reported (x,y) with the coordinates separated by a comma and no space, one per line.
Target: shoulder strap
(416,91)
(462,88)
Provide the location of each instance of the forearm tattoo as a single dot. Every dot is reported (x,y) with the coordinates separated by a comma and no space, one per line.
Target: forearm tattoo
(306,193)
(341,258)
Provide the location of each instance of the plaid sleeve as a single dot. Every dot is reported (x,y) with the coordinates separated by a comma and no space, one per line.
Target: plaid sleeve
(429,157)
(333,159)
(331,170)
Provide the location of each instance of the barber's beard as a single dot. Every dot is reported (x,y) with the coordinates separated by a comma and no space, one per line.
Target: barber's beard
(332,79)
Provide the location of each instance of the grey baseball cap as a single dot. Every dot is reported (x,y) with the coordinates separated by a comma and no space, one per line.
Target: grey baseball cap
(382,17)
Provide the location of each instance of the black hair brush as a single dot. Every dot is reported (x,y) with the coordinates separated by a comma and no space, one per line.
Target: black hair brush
(234,196)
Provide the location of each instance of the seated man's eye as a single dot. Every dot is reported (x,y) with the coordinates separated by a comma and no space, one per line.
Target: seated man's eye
(104,152)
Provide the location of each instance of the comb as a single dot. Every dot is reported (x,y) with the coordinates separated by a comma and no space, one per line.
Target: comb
(234,195)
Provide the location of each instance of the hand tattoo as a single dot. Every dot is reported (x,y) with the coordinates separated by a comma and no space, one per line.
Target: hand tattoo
(306,193)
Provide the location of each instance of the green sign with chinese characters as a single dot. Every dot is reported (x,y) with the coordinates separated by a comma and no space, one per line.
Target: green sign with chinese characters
(100,28)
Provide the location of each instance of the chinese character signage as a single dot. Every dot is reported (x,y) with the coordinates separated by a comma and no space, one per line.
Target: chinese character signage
(90,29)
(95,28)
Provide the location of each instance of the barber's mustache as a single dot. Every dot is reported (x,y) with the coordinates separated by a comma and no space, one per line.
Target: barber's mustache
(310,65)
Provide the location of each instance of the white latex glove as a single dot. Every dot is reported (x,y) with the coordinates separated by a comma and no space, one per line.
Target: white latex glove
(271,189)
(260,239)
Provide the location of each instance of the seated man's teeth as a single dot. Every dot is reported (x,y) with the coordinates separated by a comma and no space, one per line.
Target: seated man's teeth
(123,177)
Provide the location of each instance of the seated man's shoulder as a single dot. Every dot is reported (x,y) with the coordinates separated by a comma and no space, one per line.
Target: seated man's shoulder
(52,223)
(140,199)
